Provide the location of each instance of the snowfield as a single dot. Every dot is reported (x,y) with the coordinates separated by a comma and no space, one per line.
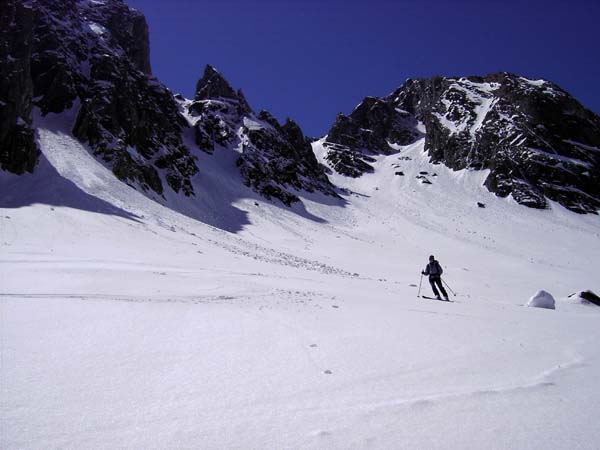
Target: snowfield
(228,321)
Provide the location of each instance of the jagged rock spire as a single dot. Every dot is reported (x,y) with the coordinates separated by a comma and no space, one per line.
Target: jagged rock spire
(213,85)
(293,133)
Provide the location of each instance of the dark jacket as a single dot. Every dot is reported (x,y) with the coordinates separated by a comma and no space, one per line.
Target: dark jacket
(433,269)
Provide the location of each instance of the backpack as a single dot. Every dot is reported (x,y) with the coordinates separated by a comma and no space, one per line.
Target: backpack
(435,269)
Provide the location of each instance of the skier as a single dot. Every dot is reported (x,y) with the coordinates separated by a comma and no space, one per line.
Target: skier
(434,270)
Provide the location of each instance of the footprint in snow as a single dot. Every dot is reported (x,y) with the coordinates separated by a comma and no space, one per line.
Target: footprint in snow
(321,433)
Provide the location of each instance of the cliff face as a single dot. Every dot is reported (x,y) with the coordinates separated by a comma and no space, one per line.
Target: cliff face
(18,152)
(94,56)
(538,142)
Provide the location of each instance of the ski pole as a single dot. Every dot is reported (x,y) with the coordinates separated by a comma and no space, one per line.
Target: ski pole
(449,288)
(420,281)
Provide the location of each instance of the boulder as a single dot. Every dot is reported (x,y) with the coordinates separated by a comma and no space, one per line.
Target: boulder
(586,297)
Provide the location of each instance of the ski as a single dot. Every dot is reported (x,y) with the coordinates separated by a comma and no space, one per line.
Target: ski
(439,300)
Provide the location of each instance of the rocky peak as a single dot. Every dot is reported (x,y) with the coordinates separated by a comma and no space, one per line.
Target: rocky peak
(538,141)
(293,133)
(212,85)
(275,160)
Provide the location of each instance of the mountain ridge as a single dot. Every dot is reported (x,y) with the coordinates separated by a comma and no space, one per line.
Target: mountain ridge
(538,142)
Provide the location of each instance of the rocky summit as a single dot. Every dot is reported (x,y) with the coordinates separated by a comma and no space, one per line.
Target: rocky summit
(274,159)
(536,140)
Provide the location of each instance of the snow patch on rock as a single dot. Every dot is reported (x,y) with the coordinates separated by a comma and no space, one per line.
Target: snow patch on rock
(96,28)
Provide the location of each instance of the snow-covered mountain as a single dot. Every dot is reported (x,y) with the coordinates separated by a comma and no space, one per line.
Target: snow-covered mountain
(186,273)
(537,141)
(89,60)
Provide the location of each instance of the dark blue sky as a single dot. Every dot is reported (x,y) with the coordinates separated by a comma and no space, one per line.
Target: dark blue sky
(311,59)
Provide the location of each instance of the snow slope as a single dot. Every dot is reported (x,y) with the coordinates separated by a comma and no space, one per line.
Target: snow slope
(127,324)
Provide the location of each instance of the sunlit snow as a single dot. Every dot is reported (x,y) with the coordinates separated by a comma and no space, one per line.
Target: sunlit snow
(228,321)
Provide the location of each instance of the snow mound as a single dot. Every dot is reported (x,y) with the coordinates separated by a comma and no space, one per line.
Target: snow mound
(542,299)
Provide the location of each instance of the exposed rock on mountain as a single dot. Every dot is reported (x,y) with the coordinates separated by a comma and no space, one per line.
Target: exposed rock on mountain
(88,61)
(538,142)
(372,124)
(347,160)
(274,159)
(18,152)
(92,56)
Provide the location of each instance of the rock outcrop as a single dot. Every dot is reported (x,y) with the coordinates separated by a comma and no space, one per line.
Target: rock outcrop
(586,297)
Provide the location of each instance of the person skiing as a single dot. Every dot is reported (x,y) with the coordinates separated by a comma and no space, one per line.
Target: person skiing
(434,270)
